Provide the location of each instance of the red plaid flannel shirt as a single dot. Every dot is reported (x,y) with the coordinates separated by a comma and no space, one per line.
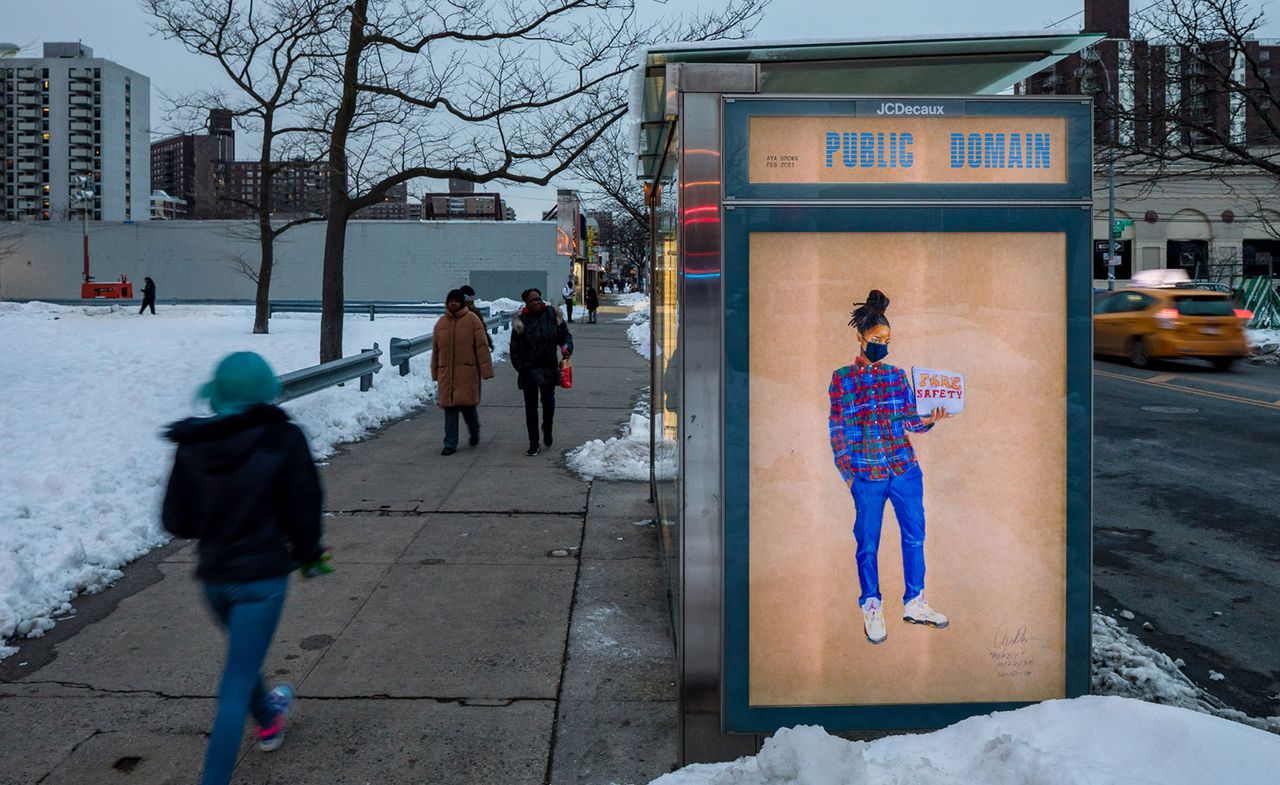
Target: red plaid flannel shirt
(872,407)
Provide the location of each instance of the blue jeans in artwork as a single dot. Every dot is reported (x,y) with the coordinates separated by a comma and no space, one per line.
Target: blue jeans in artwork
(249,613)
(451,413)
(906,492)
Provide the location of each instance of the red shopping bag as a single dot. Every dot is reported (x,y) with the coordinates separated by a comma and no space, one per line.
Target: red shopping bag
(566,373)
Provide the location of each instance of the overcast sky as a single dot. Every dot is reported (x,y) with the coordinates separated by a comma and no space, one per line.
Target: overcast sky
(120,30)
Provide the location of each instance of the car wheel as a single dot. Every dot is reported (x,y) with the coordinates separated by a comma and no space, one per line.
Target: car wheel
(1223,363)
(1136,351)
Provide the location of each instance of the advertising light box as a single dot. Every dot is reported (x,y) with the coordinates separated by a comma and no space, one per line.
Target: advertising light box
(906,412)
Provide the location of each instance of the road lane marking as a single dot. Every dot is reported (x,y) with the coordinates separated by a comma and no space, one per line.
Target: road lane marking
(1190,390)
(1162,378)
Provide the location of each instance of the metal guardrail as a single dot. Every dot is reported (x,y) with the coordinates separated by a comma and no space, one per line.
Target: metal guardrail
(402,349)
(318,377)
(308,306)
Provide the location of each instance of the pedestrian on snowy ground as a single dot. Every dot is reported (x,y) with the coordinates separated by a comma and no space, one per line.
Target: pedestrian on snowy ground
(470,294)
(539,339)
(244,484)
(459,360)
(567,294)
(148,295)
(592,301)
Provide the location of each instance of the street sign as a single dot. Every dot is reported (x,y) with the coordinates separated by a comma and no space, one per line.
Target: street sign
(1119,225)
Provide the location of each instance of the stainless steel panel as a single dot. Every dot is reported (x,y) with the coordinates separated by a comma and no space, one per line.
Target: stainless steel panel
(701,521)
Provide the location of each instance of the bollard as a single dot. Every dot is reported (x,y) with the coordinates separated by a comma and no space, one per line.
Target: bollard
(366,381)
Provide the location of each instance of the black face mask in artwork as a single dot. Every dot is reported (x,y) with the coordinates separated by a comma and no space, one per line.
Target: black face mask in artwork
(876,351)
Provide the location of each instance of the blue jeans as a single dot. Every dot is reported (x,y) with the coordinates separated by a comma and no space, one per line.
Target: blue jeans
(249,613)
(451,413)
(906,491)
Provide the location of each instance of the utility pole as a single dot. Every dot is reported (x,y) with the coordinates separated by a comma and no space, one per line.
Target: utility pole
(1112,246)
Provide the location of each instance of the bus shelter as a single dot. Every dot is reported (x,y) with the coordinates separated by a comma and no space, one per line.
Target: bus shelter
(785,185)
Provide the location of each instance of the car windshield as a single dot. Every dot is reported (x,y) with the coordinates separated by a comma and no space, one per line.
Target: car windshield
(1205,306)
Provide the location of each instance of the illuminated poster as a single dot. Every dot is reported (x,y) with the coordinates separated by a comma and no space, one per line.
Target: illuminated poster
(905,150)
(955,519)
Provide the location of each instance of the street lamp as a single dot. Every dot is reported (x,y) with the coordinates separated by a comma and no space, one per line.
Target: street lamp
(1112,245)
(83,196)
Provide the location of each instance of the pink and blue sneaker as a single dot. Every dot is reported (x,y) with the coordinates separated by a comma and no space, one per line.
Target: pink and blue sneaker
(280,699)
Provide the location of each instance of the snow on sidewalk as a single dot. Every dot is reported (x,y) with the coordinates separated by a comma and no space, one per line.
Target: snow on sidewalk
(86,391)
(1084,741)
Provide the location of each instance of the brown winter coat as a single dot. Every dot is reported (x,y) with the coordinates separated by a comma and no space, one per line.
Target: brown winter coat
(459,359)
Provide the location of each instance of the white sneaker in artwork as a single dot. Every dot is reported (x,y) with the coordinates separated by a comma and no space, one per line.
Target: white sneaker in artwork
(917,611)
(873,621)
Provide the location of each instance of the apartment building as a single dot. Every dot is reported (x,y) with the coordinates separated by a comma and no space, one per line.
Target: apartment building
(70,114)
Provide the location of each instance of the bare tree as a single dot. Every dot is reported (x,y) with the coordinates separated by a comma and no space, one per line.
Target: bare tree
(608,171)
(268,50)
(480,91)
(1210,103)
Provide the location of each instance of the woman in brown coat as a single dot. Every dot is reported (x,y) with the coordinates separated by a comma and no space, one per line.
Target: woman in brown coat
(459,360)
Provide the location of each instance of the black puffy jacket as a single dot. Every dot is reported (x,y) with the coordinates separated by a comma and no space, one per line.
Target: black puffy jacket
(246,486)
(535,346)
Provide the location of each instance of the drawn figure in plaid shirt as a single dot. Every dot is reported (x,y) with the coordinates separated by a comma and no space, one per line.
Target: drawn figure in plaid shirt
(872,407)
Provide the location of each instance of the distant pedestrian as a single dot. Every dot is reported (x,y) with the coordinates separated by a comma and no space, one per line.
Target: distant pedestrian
(470,294)
(148,295)
(245,485)
(539,340)
(592,301)
(567,294)
(459,360)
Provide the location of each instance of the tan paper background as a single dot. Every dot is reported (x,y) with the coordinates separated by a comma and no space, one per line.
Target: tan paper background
(992,307)
(805,138)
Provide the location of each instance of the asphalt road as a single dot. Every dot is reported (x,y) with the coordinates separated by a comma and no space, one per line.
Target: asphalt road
(1187,518)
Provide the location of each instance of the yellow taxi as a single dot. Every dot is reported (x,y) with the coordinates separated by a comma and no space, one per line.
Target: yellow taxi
(1169,323)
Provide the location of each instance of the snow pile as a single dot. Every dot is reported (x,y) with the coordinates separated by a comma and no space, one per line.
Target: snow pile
(633,300)
(638,334)
(87,391)
(1093,740)
(1264,346)
(1125,666)
(624,457)
(500,305)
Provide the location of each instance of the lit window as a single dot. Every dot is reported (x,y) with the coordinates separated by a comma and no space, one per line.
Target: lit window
(45,136)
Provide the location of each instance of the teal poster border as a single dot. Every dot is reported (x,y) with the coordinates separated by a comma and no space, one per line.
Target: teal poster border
(739,222)
(1079,185)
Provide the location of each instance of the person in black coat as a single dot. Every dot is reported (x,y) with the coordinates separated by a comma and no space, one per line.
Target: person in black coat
(593,302)
(539,339)
(148,295)
(245,485)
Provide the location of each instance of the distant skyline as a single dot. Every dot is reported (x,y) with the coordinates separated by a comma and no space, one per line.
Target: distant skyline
(120,30)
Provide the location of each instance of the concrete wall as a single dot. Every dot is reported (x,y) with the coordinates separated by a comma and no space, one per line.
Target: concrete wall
(194,260)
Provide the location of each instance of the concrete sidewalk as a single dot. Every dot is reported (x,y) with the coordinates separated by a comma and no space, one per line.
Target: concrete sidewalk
(493,619)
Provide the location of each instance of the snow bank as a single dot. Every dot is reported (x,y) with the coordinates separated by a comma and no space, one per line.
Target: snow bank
(1085,741)
(87,390)
(1264,346)
(624,457)
(1126,667)
(633,300)
(638,334)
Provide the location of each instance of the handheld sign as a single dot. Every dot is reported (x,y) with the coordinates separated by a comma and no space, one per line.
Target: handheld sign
(937,388)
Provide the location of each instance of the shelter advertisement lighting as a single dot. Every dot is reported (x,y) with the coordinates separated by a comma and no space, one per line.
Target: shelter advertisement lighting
(906,410)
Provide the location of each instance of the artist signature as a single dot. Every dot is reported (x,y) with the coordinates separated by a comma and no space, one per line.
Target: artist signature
(1012,636)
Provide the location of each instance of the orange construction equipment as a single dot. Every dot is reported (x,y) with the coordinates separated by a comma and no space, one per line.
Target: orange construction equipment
(112,290)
